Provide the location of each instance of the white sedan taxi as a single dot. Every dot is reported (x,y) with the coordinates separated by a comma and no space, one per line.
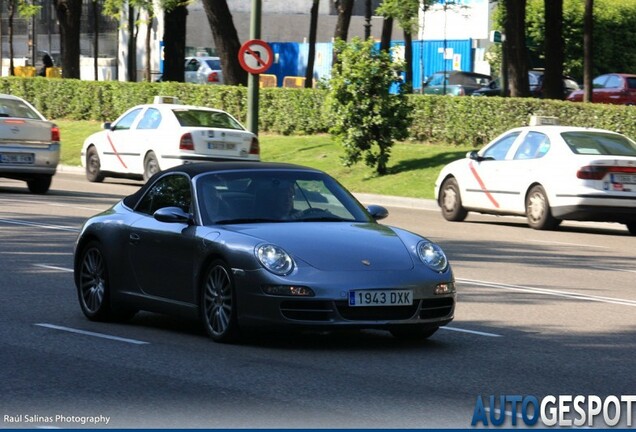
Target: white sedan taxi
(547,173)
(149,138)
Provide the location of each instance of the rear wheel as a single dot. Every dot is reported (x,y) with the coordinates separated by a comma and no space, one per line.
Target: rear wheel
(217,305)
(40,184)
(413,332)
(538,210)
(631,227)
(151,165)
(450,201)
(93,166)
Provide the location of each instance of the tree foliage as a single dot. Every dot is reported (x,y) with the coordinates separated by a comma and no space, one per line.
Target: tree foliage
(366,117)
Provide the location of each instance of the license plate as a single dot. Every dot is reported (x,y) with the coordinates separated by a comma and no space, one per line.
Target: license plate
(17,158)
(221,146)
(381,298)
(624,178)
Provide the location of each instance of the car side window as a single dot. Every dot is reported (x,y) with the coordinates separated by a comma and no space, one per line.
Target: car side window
(150,120)
(614,81)
(499,149)
(599,82)
(535,145)
(170,191)
(126,121)
(192,66)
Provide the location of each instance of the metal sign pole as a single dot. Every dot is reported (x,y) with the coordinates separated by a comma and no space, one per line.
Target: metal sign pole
(252,79)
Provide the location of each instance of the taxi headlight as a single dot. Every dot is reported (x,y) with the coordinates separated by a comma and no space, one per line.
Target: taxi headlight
(432,255)
(275,259)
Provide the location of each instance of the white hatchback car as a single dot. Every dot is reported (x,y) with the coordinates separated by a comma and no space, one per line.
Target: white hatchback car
(548,174)
(149,138)
(29,144)
(203,70)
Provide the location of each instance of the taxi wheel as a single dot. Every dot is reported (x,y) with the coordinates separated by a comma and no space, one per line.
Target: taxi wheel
(538,210)
(151,165)
(450,201)
(413,332)
(93,165)
(40,184)
(217,305)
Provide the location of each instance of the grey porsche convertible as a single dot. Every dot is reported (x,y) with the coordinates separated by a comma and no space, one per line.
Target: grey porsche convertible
(244,245)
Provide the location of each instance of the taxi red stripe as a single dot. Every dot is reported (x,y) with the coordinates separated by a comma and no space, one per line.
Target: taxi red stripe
(483,186)
(115,150)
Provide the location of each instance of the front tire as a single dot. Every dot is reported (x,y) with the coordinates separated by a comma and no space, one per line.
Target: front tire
(151,166)
(39,185)
(413,332)
(450,201)
(217,305)
(538,210)
(93,166)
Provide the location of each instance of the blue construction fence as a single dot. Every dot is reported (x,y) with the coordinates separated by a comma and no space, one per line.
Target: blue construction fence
(290,58)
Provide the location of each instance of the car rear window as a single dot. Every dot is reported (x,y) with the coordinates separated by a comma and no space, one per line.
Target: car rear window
(599,143)
(16,108)
(214,64)
(204,118)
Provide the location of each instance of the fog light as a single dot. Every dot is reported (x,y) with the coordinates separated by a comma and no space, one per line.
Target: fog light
(445,288)
(288,290)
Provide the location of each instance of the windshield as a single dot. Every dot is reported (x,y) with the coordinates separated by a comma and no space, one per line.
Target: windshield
(275,196)
(206,118)
(599,143)
(436,79)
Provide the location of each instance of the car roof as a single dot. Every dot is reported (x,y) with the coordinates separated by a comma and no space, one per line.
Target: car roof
(177,106)
(559,128)
(195,169)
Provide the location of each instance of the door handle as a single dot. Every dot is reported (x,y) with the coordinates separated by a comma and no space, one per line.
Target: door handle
(134,238)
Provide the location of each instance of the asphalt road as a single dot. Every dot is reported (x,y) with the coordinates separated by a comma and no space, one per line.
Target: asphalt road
(539,313)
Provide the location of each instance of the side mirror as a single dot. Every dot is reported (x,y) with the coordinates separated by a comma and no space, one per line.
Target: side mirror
(106,125)
(377,212)
(473,155)
(172,215)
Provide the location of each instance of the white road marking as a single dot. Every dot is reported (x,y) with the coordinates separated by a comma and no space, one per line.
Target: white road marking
(52,204)
(556,293)
(613,269)
(570,244)
(50,267)
(471,331)
(88,333)
(39,225)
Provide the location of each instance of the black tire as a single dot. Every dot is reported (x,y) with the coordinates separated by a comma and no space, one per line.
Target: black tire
(450,201)
(413,332)
(93,166)
(217,306)
(538,210)
(151,165)
(40,185)
(93,287)
(631,227)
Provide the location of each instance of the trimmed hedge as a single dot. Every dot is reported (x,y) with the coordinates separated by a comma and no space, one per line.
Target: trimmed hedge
(453,120)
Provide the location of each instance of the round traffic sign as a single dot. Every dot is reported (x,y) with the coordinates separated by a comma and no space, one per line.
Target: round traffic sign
(255,56)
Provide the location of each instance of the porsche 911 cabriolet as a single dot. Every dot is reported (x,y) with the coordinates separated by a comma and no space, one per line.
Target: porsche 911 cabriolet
(244,245)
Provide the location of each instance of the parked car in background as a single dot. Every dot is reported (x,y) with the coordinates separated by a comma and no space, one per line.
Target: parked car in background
(548,174)
(149,138)
(242,245)
(29,144)
(535,78)
(203,70)
(614,88)
(454,83)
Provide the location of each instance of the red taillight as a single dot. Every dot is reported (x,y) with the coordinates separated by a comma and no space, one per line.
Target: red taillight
(186,142)
(55,134)
(213,77)
(255,147)
(592,172)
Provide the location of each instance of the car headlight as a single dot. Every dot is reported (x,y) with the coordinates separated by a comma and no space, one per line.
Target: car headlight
(432,255)
(275,259)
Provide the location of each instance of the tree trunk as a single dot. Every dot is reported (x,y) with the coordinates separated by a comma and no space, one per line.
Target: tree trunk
(131,59)
(313,27)
(95,38)
(387,31)
(368,12)
(408,58)
(174,39)
(11,5)
(345,8)
(515,30)
(588,58)
(553,78)
(150,18)
(226,41)
(69,13)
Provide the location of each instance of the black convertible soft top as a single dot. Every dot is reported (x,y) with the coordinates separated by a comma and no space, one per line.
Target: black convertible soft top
(194,169)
